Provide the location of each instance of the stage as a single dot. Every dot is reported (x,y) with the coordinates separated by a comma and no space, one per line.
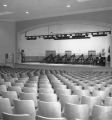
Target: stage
(66,67)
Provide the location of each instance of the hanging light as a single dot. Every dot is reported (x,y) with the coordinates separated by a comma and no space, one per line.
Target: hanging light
(68,4)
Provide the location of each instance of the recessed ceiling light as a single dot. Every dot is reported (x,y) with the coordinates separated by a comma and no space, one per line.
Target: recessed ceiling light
(27,12)
(5,5)
(68,5)
(83,0)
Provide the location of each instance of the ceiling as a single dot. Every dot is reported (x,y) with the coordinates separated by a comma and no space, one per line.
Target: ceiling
(15,9)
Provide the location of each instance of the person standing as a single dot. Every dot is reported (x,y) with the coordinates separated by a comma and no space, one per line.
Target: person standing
(103,60)
(22,56)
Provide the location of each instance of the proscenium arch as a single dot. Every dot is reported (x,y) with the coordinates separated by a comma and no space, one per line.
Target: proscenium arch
(82,22)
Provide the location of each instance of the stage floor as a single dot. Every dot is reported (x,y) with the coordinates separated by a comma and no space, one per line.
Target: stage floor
(66,67)
(50,64)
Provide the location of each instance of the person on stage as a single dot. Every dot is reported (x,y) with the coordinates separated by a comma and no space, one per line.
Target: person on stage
(22,56)
(103,60)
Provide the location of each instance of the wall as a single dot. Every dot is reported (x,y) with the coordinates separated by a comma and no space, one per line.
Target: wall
(77,46)
(7,39)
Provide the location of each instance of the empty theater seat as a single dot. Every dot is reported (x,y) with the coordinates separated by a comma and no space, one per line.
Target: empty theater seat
(49,109)
(7,116)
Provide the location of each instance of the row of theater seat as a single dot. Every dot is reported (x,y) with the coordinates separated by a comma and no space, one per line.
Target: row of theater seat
(56,95)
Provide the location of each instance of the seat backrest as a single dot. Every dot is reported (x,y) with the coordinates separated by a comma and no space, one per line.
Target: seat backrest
(15,88)
(7,116)
(108,101)
(11,95)
(18,84)
(43,85)
(5,106)
(102,112)
(3,88)
(82,92)
(29,96)
(34,78)
(1,81)
(91,101)
(74,99)
(59,86)
(79,111)
(100,93)
(46,90)
(49,109)
(30,85)
(29,90)
(7,84)
(47,97)
(25,107)
(63,91)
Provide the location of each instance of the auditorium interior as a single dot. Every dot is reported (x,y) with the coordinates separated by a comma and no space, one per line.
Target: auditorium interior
(55,60)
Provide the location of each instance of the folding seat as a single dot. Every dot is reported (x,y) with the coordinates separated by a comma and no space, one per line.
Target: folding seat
(47,118)
(91,101)
(63,91)
(21,81)
(30,74)
(82,92)
(74,99)
(43,81)
(108,101)
(59,86)
(91,88)
(46,90)
(98,86)
(15,88)
(107,91)
(12,80)
(5,106)
(23,75)
(29,90)
(7,116)
(30,85)
(29,96)
(100,93)
(71,86)
(76,87)
(76,111)
(15,76)
(48,85)
(18,84)
(3,88)
(7,84)
(49,109)
(32,81)
(34,78)
(11,95)
(102,112)
(25,107)
(1,81)
(48,97)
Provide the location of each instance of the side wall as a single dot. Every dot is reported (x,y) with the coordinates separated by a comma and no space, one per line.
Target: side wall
(7,39)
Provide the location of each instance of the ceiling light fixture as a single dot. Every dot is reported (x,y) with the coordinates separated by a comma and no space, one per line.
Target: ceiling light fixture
(27,12)
(68,5)
(83,0)
(5,5)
